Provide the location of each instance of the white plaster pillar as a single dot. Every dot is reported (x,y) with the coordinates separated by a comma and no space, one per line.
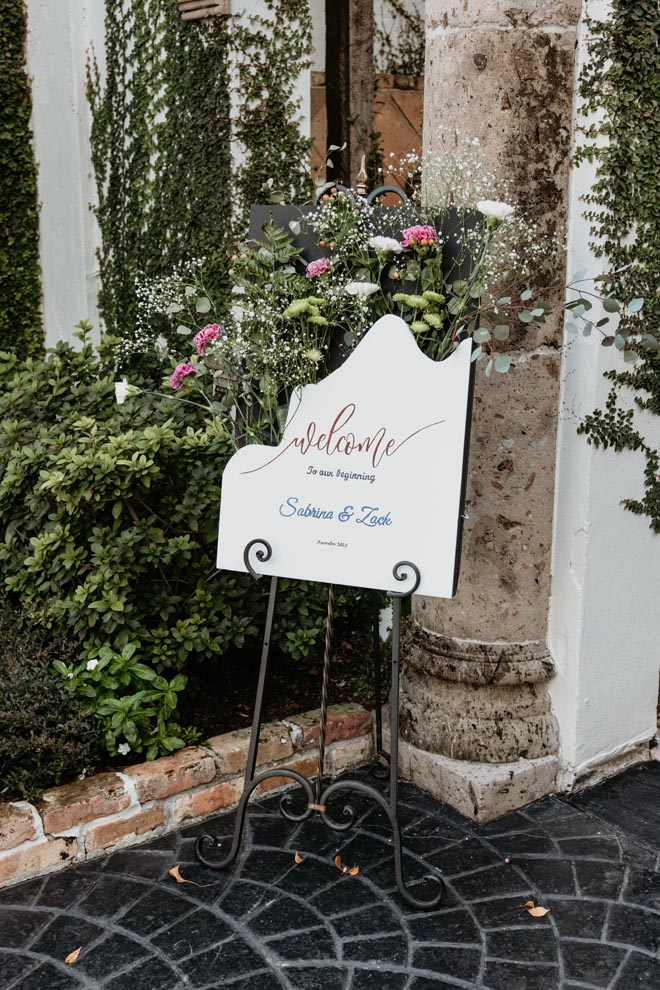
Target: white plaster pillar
(604,624)
(60,34)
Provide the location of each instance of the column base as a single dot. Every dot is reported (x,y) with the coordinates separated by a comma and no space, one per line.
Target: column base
(480,791)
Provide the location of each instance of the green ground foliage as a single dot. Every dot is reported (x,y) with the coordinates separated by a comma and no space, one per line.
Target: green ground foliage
(108,516)
(20,279)
(46,733)
(621,82)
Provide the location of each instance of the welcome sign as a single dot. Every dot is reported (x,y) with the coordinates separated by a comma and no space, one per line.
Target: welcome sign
(368,473)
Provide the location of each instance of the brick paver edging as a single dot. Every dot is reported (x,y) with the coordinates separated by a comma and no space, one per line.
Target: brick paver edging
(85,819)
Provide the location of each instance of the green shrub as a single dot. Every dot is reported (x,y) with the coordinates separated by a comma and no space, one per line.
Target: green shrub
(109,521)
(46,736)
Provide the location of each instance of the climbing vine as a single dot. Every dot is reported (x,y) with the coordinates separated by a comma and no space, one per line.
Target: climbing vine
(160,149)
(400,45)
(271,51)
(162,133)
(621,83)
(20,278)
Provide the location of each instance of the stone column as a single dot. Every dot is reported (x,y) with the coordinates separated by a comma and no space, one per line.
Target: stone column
(477,725)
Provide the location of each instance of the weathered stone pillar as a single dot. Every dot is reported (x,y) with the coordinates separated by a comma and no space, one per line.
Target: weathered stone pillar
(477,725)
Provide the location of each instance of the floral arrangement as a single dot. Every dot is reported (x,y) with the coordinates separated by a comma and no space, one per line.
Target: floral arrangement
(454,262)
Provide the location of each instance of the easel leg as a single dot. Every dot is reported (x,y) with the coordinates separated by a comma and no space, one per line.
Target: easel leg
(323,723)
(389,804)
(380,771)
(394,707)
(208,841)
(378,689)
(317,797)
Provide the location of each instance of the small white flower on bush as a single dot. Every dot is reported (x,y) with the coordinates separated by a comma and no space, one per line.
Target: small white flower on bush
(494,210)
(123,390)
(385,244)
(123,749)
(361,289)
(92,664)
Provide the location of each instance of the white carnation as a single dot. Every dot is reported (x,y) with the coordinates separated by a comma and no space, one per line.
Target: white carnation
(121,391)
(494,210)
(361,289)
(385,244)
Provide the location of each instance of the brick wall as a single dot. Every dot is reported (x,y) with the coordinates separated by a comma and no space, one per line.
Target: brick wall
(90,817)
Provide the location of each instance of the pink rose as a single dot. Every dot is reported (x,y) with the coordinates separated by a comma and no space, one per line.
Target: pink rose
(419,236)
(180,374)
(315,268)
(206,336)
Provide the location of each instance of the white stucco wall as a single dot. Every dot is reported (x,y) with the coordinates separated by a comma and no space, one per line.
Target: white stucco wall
(317,10)
(604,627)
(60,32)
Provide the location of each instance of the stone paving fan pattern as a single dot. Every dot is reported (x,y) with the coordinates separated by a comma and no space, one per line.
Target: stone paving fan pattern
(272,923)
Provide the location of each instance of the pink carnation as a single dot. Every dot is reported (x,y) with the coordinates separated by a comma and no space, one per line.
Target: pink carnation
(419,236)
(206,336)
(315,268)
(180,373)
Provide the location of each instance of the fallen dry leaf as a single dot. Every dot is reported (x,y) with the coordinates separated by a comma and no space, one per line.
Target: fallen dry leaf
(73,956)
(353,871)
(176,873)
(538,912)
(298,858)
(528,904)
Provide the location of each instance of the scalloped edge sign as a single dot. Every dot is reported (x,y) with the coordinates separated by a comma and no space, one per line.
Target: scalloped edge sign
(369,472)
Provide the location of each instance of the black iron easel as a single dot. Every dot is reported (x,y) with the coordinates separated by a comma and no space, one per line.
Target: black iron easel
(318,796)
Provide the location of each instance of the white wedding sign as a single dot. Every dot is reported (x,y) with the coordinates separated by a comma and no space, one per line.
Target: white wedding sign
(368,473)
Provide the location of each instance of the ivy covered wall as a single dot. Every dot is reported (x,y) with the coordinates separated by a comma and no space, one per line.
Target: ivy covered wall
(20,282)
(160,148)
(176,98)
(270,50)
(621,84)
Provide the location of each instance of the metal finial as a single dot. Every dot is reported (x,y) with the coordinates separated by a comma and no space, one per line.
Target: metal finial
(362,181)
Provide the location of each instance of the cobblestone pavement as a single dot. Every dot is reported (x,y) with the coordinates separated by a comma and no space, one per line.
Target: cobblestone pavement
(270,922)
